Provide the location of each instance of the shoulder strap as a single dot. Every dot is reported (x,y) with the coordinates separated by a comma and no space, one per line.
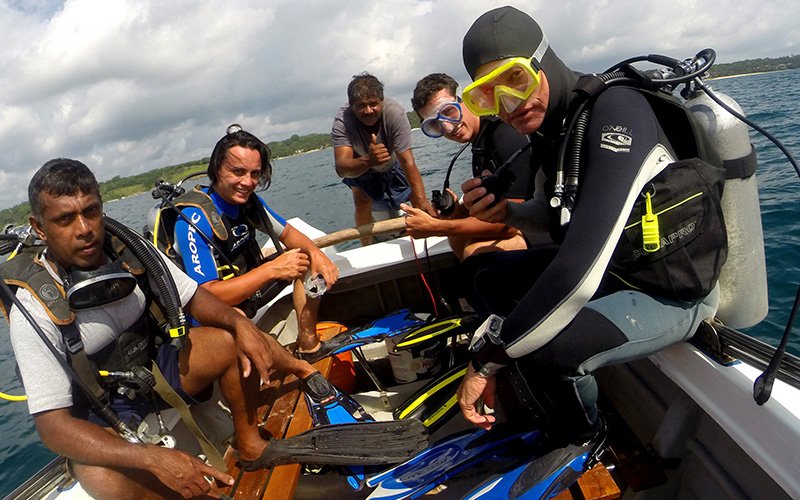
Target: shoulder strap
(25,270)
(199,199)
(256,213)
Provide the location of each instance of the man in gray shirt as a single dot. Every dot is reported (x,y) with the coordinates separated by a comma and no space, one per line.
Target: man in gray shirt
(372,151)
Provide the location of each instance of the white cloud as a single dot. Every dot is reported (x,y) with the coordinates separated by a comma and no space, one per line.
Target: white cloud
(132,85)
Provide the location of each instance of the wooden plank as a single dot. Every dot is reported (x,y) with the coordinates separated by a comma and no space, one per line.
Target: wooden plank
(283,481)
(284,413)
(595,484)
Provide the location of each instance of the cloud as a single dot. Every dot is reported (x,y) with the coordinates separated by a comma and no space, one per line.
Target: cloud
(128,86)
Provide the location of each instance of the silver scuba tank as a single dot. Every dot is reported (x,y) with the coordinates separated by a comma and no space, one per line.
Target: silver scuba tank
(743,279)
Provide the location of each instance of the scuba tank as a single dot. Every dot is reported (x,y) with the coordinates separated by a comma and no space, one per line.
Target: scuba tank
(743,279)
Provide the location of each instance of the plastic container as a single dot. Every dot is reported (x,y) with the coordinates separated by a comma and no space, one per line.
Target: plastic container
(416,363)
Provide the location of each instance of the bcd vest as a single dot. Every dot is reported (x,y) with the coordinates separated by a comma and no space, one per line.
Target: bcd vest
(686,252)
(134,347)
(233,260)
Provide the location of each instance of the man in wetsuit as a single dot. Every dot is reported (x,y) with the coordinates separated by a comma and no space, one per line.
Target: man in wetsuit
(600,298)
(239,163)
(436,102)
(372,151)
(67,214)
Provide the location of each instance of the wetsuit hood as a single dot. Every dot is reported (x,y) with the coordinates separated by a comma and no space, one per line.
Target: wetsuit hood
(498,34)
(508,32)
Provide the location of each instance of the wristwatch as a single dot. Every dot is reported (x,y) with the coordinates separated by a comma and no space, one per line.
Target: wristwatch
(486,337)
(487,369)
(489,332)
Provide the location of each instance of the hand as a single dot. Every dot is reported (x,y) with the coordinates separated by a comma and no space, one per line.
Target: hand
(424,204)
(256,349)
(184,473)
(290,265)
(419,224)
(321,264)
(378,154)
(471,389)
(480,203)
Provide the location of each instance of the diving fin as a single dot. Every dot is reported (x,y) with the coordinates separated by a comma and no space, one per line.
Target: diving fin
(436,402)
(546,475)
(328,405)
(451,326)
(446,459)
(542,477)
(362,443)
(388,326)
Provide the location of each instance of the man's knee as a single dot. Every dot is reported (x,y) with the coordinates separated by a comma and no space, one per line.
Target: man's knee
(216,342)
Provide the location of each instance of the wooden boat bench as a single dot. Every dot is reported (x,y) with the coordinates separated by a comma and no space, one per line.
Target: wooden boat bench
(284,413)
(595,484)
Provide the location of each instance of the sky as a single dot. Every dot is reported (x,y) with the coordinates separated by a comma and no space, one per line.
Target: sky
(127,86)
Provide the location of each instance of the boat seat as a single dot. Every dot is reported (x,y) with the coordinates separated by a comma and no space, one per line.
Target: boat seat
(595,484)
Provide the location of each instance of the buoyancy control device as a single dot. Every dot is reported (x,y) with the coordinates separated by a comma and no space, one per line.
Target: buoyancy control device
(743,282)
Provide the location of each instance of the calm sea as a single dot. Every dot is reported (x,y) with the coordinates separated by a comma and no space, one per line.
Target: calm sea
(306,186)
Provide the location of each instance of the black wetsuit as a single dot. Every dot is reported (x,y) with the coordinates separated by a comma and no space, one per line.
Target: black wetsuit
(565,318)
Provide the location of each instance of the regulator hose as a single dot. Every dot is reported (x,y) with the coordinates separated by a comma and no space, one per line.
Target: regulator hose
(159,275)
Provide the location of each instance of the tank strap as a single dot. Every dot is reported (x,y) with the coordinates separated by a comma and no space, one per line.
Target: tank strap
(80,362)
(169,395)
(741,168)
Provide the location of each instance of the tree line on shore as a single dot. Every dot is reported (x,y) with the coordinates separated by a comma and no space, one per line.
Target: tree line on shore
(760,65)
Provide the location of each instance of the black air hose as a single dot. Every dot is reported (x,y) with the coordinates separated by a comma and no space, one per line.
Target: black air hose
(157,272)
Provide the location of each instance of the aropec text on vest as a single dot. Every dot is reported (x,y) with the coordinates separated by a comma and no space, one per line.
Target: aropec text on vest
(190,235)
(242,232)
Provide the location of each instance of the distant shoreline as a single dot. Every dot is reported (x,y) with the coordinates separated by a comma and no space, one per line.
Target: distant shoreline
(742,74)
(750,74)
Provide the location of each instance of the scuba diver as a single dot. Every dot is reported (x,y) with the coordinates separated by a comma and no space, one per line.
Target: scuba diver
(211,233)
(637,215)
(84,335)
(436,102)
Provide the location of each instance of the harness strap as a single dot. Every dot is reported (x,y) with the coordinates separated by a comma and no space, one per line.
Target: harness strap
(169,395)
(80,362)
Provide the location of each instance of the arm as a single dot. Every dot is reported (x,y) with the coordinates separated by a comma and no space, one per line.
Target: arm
(420,224)
(350,166)
(320,263)
(288,266)
(90,444)
(255,348)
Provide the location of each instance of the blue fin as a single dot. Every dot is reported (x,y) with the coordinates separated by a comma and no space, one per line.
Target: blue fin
(382,328)
(445,459)
(328,405)
(542,477)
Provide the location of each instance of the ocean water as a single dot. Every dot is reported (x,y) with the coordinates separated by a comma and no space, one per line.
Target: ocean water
(306,186)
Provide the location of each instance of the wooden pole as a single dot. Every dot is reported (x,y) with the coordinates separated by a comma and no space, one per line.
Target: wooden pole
(395,225)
